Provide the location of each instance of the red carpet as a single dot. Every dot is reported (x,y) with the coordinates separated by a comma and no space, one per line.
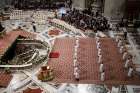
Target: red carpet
(29,90)
(54,55)
(115,74)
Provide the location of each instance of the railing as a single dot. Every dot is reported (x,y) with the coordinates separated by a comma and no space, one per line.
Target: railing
(65,26)
(16,66)
(34,59)
(25,53)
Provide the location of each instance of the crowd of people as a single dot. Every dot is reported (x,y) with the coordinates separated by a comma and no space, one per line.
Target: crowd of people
(86,20)
(37,4)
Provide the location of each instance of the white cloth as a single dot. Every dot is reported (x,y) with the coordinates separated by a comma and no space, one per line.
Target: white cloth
(77,38)
(76,70)
(122,49)
(101,68)
(97,40)
(75,64)
(120,43)
(130,72)
(98,45)
(103,76)
(77,75)
(77,45)
(117,38)
(100,59)
(127,63)
(75,55)
(97,34)
(125,55)
(99,51)
(75,48)
(77,41)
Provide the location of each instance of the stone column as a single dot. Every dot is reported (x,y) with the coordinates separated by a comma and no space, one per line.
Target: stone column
(114,9)
(79,4)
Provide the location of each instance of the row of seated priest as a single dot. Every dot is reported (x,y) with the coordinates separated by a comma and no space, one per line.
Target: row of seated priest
(127,57)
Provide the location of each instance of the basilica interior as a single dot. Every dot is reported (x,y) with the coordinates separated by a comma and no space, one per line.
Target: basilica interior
(70,46)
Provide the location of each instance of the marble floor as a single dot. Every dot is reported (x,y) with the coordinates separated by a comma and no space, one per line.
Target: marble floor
(16,86)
